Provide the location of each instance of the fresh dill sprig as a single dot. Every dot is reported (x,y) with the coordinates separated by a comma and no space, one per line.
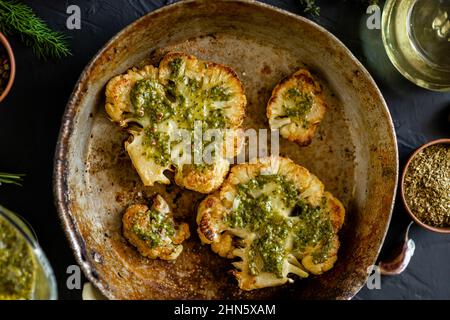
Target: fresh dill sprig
(11,178)
(18,18)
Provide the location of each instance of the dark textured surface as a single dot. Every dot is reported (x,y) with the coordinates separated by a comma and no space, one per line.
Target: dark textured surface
(30,120)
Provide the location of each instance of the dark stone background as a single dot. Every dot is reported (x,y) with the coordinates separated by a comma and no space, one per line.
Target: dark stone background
(30,119)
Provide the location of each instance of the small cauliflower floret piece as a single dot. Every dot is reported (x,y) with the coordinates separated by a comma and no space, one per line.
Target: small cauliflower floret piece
(205,178)
(153,231)
(336,212)
(169,104)
(211,226)
(275,218)
(118,105)
(149,156)
(247,281)
(317,268)
(296,107)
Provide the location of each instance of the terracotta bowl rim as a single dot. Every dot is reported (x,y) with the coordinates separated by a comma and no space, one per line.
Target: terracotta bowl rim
(12,73)
(405,170)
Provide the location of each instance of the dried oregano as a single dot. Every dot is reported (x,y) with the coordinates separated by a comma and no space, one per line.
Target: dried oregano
(427,185)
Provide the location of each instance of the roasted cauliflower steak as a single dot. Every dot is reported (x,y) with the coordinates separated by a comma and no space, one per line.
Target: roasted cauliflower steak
(276,219)
(296,107)
(153,231)
(166,106)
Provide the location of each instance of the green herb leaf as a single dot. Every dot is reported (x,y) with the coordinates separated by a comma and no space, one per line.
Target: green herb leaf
(18,18)
(11,178)
(310,6)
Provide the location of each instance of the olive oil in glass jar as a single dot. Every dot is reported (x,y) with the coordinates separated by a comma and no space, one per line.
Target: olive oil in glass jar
(416,35)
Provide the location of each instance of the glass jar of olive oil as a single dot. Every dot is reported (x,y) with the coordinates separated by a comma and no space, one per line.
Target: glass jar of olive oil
(25,272)
(416,35)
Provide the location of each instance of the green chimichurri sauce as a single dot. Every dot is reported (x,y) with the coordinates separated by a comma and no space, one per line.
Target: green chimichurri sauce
(160,146)
(17,265)
(193,104)
(269,247)
(312,228)
(308,225)
(148,99)
(159,229)
(183,100)
(218,93)
(301,104)
(175,66)
(252,212)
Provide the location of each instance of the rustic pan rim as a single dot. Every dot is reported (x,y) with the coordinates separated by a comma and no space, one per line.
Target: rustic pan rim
(60,183)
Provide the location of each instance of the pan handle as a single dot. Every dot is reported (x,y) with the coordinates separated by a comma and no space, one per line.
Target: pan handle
(399,263)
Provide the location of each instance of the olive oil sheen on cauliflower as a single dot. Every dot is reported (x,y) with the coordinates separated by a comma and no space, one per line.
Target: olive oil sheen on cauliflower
(154,103)
(275,218)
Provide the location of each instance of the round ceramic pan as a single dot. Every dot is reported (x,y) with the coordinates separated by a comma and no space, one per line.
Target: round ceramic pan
(354,151)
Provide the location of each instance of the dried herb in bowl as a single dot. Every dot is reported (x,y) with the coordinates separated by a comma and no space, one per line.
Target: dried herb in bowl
(427,185)
(5,69)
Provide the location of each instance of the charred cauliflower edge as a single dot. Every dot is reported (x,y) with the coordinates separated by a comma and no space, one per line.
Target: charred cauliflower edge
(286,197)
(296,107)
(153,231)
(154,102)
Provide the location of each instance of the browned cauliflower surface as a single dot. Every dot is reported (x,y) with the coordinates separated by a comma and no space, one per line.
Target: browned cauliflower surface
(153,231)
(182,93)
(296,107)
(275,218)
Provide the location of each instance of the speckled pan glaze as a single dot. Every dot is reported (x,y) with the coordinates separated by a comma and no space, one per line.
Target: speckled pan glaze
(354,151)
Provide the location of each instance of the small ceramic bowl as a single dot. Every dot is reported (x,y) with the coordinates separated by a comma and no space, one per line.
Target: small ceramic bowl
(419,222)
(5,44)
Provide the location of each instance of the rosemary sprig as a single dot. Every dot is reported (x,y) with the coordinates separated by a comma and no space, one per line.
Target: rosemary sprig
(11,178)
(18,18)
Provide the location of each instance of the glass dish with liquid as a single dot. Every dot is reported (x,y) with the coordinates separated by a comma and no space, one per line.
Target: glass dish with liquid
(416,36)
(25,273)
